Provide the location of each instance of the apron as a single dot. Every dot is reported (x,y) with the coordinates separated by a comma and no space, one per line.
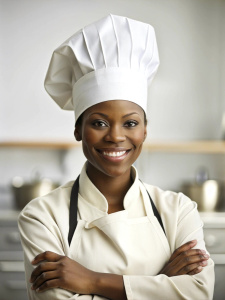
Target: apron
(117,244)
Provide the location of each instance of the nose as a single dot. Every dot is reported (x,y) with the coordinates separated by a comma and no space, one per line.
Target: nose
(115,134)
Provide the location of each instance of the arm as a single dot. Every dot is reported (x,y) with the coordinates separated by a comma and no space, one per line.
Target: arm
(186,260)
(36,237)
(109,285)
(60,271)
(185,225)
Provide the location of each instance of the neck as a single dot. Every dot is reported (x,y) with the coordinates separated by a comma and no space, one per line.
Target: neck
(113,188)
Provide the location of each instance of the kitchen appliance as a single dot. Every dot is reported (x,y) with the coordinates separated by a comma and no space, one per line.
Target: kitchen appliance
(207,193)
(24,192)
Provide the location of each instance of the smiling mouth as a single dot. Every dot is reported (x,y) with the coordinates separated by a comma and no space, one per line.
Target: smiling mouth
(114,154)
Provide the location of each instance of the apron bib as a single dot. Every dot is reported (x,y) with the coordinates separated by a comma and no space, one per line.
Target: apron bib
(117,244)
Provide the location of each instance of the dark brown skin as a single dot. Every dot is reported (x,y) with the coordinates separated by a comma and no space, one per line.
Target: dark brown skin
(109,126)
(56,271)
(112,126)
(186,260)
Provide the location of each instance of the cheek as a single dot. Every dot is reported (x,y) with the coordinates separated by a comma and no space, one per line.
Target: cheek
(138,137)
(91,137)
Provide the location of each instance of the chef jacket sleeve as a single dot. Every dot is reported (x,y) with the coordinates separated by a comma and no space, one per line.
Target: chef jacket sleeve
(188,226)
(39,234)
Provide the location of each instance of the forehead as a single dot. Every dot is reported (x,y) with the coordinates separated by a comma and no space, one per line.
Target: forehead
(112,106)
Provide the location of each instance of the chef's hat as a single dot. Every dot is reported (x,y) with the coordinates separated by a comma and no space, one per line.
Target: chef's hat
(114,58)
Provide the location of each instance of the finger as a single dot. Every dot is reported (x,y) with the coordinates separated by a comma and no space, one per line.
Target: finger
(192,252)
(183,260)
(186,254)
(47,255)
(50,284)
(196,271)
(43,267)
(199,268)
(192,268)
(44,277)
(184,247)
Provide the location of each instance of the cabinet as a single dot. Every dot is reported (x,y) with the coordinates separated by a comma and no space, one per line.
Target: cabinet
(214,232)
(12,278)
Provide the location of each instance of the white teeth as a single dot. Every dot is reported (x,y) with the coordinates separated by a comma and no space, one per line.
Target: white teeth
(114,154)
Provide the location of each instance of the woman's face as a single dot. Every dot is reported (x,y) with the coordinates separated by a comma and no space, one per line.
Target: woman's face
(112,135)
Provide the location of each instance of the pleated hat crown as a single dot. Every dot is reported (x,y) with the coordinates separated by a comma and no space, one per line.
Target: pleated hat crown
(114,58)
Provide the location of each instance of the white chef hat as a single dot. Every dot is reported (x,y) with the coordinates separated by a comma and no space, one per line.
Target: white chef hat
(114,58)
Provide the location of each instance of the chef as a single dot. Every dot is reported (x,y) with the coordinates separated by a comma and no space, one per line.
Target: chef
(108,235)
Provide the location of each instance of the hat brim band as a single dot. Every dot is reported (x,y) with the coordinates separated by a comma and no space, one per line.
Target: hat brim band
(109,84)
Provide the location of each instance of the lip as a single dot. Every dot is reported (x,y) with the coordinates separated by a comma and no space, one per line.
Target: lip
(114,152)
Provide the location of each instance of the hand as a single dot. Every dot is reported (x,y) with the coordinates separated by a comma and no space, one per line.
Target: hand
(186,260)
(57,271)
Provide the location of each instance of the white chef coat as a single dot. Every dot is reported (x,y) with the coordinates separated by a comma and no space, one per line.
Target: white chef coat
(129,242)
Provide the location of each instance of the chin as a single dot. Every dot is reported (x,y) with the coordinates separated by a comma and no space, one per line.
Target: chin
(115,171)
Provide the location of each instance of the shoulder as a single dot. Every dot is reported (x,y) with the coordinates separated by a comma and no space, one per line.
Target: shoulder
(50,205)
(179,215)
(167,197)
(171,203)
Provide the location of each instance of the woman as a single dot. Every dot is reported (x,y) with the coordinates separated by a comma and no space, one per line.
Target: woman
(108,235)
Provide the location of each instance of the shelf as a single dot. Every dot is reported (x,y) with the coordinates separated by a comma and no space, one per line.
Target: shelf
(40,144)
(207,147)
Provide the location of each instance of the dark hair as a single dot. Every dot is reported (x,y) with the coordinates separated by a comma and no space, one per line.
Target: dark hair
(79,120)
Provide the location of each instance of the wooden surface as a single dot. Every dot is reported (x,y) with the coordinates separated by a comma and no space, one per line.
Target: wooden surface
(40,144)
(213,147)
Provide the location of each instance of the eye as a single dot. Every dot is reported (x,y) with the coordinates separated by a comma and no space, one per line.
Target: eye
(99,123)
(131,123)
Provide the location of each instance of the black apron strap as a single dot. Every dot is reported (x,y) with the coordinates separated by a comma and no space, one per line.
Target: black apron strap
(156,213)
(73,210)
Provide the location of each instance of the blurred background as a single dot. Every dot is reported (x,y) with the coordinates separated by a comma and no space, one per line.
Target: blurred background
(185,148)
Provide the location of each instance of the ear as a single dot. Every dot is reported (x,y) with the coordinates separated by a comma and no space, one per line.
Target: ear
(145,132)
(77,134)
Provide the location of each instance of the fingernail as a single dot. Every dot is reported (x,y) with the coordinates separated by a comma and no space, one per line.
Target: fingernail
(206,255)
(193,241)
(203,251)
(37,290)
(199,268)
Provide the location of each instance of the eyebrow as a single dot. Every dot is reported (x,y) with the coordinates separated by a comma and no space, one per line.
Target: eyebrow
(98,113)
(133,113)
(106,116)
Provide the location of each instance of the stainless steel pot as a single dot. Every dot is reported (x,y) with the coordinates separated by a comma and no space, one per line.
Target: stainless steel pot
(27,191)
(208,194)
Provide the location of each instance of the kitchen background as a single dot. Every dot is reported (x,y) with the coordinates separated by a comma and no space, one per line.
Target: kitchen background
(186,103)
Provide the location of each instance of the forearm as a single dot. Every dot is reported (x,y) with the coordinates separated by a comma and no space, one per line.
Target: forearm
(109,286)
(199,286)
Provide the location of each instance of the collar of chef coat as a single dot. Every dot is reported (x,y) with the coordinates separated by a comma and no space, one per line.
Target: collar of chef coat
(92,204)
